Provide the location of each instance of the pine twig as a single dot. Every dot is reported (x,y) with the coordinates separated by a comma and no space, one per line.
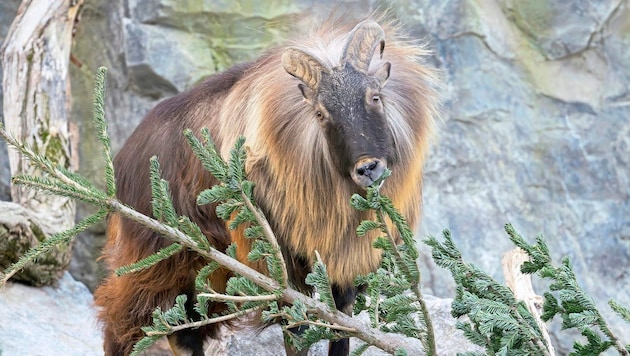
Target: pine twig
(101,126)
(200,323)
(428,341)
(269,235)
(319,279)
(617,344)
(150,260)
(83,191)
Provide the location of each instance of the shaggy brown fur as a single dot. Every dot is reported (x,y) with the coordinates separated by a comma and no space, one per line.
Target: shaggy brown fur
(297,186)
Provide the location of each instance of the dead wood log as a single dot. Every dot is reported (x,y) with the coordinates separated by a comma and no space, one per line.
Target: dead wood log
(35,57)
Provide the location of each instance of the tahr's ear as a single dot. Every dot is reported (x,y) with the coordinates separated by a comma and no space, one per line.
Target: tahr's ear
(361,44)
(382,74)
(307,93)
(304,66)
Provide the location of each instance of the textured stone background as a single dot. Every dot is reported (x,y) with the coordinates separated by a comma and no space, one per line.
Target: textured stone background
(53,320)
(535,130)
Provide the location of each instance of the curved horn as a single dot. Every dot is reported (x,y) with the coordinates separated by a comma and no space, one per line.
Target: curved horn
(361,45)
(303,66)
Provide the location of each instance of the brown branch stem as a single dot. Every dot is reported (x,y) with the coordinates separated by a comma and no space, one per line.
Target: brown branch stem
(329,326)
(239,299)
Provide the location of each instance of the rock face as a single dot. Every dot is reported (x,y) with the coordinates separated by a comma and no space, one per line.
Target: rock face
(535,127)
(535,133)
(57,320)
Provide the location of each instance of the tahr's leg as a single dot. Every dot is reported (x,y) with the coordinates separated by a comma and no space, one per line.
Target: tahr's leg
(110,345)
(292,351)
(187,343)
(298,268)
(344,299)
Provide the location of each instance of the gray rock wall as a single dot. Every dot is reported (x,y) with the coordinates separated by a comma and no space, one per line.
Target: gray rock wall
(535,127)
(535,133)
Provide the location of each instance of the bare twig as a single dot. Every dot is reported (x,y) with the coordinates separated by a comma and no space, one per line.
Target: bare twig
(329,326)
(239,299)
(521,286)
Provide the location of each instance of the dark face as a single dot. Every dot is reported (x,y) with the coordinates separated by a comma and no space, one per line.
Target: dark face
(348,104)
(349,108)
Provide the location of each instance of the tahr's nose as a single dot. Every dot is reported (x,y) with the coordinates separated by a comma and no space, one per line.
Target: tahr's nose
(367,170)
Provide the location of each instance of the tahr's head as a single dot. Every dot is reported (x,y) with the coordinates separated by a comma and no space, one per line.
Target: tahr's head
(347,102)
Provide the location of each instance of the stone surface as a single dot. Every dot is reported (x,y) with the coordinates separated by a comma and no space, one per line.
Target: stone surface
(561,28)
(535,127)
(56,320)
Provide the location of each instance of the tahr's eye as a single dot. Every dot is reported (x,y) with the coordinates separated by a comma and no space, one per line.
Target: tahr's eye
(376,99)
(319,115)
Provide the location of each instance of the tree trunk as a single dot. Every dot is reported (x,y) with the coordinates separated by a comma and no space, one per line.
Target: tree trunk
(35,56)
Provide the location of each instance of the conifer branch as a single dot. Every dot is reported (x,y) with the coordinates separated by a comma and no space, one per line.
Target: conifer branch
(200,323)
(172,233)
(498,321)
(79,185)
(318,278)
(576,307)
(502,324)
(149,261)
(101,130)
(387,342)
(415,278)
(235,195)
(404,261)
(270,236)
